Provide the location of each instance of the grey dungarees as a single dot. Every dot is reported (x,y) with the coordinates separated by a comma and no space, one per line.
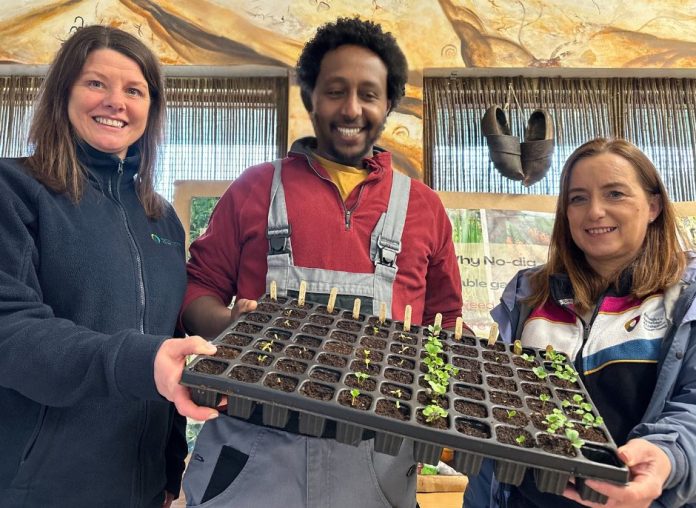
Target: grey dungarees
(304,471)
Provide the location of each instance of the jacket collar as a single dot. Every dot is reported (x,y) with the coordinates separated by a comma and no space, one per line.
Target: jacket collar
(380,160)
(104,166)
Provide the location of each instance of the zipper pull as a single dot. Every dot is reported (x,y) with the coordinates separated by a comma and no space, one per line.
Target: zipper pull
(348,212)
(120,166)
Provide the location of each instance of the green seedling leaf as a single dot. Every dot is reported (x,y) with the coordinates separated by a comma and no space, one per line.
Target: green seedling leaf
(433,412)
(354,393)
(574,438)
(540,372)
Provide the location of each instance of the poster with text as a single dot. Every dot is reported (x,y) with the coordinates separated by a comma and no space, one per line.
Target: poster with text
(491,247)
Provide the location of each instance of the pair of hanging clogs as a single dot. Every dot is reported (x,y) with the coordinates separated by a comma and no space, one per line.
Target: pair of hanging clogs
(528,161)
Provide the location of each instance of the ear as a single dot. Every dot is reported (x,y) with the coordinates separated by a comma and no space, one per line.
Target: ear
(306,96)
(655,206)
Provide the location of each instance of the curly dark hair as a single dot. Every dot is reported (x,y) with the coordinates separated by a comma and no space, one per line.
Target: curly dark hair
(360,33)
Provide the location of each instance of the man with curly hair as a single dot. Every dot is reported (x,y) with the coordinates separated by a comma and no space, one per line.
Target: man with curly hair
(333,214)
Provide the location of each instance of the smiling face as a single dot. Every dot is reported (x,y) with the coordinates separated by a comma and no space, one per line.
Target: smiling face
(609,211)
(109,102)
(349,104)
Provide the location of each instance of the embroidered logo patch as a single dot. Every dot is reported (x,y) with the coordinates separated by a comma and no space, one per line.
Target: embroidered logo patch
(631,325)
(163,241)
(656,321)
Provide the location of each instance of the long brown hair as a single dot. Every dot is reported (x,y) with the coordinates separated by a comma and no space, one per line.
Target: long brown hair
(54,161)
(658,264)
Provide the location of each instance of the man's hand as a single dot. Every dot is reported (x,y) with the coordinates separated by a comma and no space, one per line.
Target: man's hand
(208,316)
(169,365)
(242,306)
(168,499)
(650,467)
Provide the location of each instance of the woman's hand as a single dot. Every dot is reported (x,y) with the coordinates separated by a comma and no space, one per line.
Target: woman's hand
(169,365)
(649,466)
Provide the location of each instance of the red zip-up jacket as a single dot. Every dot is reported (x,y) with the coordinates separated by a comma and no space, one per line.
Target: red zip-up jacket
(230,257)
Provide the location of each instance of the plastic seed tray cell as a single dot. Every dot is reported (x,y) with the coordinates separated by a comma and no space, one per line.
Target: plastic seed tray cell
(368,375)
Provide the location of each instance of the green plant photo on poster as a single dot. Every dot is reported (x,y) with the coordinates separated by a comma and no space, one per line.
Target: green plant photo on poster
(201,208)
(466,226)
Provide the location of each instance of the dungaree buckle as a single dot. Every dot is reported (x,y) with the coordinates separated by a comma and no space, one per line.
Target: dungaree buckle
(278,240)
(388,249)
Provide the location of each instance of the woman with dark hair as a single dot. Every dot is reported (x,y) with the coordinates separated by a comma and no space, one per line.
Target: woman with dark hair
(91,280)
(616,296)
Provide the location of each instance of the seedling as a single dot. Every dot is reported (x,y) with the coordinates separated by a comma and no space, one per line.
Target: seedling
(375,330)
(566,372)
(584,410)
(433,412)
(581,403)
(267,346)
(511,413)
(549,352)
(589,420)
(354,394)
(559,365)
(540,372)
(396,392)
(527,357)
(574,438)
(556,420)
(261,358)
(521,439)
(544,398)
(366,354)
(361,377)
(438,372)
(403,350)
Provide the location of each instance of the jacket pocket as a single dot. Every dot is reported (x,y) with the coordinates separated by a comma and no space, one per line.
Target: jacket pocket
(31,455)
(34,435)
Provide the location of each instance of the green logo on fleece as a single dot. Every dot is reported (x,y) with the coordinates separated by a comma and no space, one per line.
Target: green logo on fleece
(164,241)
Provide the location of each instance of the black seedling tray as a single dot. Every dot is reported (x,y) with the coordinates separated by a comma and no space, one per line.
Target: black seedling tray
(291,358)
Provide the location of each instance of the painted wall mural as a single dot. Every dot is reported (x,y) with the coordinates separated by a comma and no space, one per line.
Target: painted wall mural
(432,33)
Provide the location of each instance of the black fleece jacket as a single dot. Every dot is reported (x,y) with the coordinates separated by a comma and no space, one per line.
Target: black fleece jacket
(88,292)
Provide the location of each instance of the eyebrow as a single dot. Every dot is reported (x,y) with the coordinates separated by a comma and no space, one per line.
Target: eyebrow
(344,80)
(609,185)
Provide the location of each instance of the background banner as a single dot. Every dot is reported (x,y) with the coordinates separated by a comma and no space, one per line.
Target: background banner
(491,246)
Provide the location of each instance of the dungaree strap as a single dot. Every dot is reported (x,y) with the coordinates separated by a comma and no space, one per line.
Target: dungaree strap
(278,233)
(387,241)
